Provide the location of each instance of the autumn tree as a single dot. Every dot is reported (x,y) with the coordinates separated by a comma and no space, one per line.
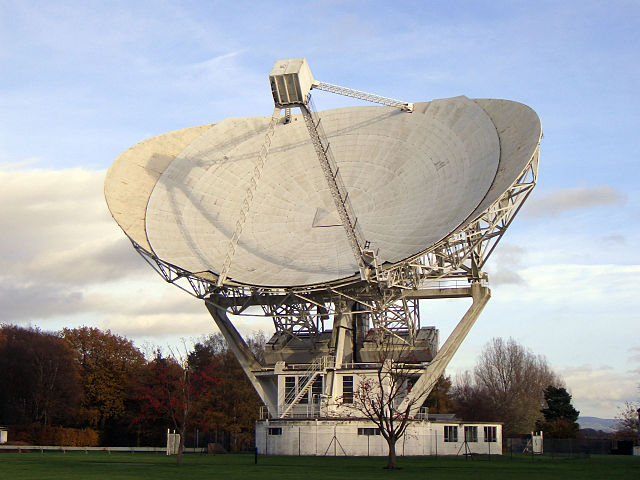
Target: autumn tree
(507,385)
(39,378)
(109,364)
(233,405)
(440,399)
(171,390)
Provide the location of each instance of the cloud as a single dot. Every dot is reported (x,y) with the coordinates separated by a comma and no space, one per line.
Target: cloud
(635,357)
(614,240)
(160,325)
(599,391)
(575,198)
(58,240)
(570,284)
(504,264)
(21,164)
(506,277)
(57,230)
(20,304)
(182,324)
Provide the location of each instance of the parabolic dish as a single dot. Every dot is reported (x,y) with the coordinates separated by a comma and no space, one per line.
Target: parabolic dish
(412,180)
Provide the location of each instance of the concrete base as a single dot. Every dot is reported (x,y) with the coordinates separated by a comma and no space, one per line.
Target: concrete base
(347,437)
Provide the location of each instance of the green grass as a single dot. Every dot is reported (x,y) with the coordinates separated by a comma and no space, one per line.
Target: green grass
(78,465)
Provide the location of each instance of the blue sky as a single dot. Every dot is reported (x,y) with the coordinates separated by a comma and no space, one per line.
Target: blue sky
(83,81)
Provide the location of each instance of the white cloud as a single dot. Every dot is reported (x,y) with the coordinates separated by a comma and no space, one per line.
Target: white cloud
(504,264)
(571,284)
(57,230)
(31,162)
(21,304)
(599,391)
(159,325)
(575,198)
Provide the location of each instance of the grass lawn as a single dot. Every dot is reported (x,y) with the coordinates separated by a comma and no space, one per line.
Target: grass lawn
(78,465)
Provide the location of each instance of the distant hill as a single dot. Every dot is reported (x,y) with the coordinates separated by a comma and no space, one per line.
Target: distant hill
(604,424)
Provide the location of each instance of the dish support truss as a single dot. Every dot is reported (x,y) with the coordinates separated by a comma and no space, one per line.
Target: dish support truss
(261,376)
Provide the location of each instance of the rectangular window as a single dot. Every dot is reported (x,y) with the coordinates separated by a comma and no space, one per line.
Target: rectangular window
(368,431)
(316,389)
(275,431)
(490,434)
(289,389)
(470,434)
(450,433)
(347,389)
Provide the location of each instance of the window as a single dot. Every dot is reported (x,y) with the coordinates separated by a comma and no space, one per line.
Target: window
(490,434)
(368,431)
(470,434)
(450,433)
(275,431)
(289,389)
(347,389)
(316,389)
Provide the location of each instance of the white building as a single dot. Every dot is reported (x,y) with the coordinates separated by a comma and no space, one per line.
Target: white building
(317,414)
(357,437)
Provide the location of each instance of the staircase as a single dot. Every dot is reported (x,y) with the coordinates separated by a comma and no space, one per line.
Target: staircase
(305,382)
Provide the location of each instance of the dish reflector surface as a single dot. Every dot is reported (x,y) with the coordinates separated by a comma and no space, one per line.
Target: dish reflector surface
(412,180)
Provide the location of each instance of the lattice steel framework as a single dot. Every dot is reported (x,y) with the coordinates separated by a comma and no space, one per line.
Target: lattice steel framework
(369,97)
(401,316)
(335,183)
(301,318)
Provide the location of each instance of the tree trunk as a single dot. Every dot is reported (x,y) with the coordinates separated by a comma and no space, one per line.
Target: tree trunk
(391,461)
(181,444)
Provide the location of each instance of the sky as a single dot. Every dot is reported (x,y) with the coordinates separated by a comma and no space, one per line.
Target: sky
(83,81)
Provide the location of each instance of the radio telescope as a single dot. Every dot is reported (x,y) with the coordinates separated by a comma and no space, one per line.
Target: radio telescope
(335,224)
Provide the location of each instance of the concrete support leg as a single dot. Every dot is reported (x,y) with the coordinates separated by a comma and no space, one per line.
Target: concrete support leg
(432,372)
(266,389)
(341,324)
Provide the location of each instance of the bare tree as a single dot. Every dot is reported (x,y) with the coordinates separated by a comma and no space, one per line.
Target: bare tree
(628,421)
(507,385)
(379,395)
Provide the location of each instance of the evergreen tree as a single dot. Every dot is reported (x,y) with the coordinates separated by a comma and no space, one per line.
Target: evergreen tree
(559,417)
